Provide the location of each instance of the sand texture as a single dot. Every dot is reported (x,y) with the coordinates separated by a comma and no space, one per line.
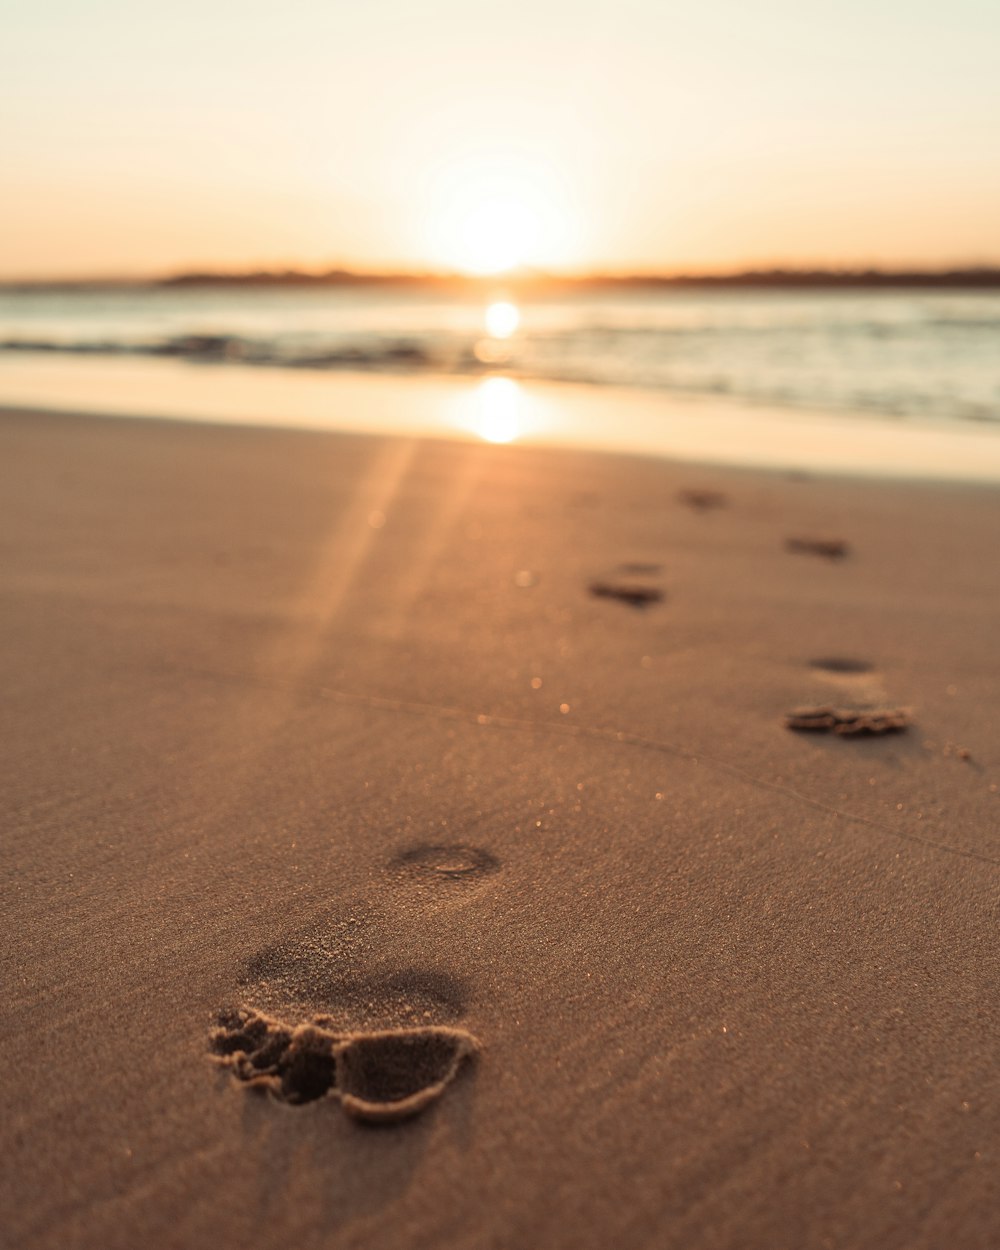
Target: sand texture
(468,771)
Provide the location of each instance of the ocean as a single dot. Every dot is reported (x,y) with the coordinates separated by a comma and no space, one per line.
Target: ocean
(912,358)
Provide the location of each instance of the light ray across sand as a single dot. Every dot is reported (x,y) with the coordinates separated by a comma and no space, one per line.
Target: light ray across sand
(301,633)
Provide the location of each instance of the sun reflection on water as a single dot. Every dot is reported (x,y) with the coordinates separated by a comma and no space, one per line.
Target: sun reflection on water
(502,319)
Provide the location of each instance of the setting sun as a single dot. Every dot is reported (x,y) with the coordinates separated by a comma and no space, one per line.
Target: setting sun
(495,236)
(491,214)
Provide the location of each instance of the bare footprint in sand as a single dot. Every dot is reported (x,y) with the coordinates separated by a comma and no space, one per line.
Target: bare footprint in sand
(631,593)
(629,585)
(703,500)
(378,1077)
(448,867)
(382,1044)
(828,548)
(861,708)
(850,721)
(842,665)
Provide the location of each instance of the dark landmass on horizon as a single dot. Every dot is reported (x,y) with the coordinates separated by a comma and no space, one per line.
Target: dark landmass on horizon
(985,277)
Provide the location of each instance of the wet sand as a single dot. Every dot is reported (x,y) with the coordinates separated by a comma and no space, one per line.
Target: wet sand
(387,738)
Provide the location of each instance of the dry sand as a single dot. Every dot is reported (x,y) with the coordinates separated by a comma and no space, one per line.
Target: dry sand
(338,728)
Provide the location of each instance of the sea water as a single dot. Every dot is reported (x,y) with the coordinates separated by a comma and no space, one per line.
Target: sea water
(906,358)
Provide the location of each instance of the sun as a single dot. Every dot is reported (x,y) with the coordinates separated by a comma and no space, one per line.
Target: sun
(492,215)
(496,235)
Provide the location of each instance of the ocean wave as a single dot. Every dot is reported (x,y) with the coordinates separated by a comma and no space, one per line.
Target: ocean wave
(234,349)
(840,367)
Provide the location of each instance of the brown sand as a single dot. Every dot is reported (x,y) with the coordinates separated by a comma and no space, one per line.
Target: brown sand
(332,728)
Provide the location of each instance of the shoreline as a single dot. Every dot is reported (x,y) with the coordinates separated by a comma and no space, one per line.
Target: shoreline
(488,743)
(895,475)
(501,409)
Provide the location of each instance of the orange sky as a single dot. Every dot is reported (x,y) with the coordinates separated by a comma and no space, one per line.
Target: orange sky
(638,135)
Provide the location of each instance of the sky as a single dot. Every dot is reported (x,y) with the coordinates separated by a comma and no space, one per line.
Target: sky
(637,135)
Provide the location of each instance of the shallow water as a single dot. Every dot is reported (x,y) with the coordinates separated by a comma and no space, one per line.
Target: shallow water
(933,356)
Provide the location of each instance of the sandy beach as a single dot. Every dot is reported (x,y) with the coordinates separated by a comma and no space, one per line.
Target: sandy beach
(490,743)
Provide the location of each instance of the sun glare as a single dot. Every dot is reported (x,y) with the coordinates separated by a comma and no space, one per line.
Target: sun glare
(495,236)
(491,215)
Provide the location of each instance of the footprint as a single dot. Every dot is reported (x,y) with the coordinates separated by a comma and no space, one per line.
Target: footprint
(703,500)
(318,1020)
(376,1076)
(638,569)
(829,548)
(842,665)
(862,707)
(849,722)
(444,863)
(635,594)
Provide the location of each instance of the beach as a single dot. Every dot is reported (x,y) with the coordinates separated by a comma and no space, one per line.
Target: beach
(413,734)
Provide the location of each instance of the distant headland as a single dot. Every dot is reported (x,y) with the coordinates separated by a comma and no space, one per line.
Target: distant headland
(983,277)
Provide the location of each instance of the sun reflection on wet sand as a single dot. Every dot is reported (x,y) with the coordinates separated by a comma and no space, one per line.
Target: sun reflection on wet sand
(501,409)
(497,410)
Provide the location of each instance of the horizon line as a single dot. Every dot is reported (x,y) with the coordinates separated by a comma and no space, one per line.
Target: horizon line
(975,274)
